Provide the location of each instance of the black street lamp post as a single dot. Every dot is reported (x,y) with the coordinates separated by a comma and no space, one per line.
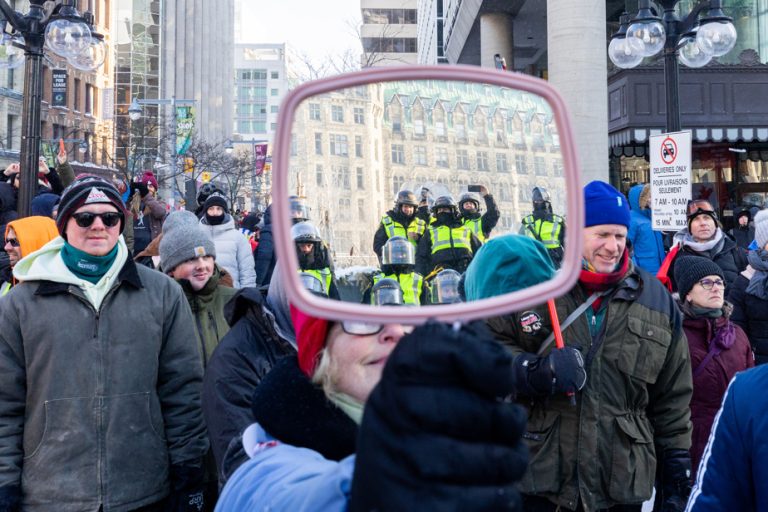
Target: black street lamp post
(692,40)
(66,33)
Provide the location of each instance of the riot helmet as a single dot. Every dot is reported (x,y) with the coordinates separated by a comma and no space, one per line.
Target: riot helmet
(398,251)
(406,198)
(444,202)
(541,200)
(445,287)
(468,197)
(312,283)
(308,244)
(299,210)
(387,292)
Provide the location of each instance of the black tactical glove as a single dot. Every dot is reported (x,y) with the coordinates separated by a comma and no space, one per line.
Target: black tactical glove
(10,499)
(560,371)
(675,480)
(187,486)
(436,433)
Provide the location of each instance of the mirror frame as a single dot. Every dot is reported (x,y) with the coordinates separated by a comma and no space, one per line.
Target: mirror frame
(287,260)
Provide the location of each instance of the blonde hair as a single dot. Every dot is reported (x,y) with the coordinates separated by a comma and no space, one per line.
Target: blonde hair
(325,374)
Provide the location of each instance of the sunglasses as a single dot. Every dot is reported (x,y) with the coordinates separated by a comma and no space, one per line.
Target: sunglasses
(13,241)
(85,219)
(708,284)
(361,328)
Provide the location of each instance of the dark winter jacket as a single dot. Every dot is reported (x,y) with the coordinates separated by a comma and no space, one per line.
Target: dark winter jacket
(743,235)
(634,405)
(489,219)
(265,256)
(726,254)
(207,306)
(647,244)
(454,258)
(733,475)
(242,359)
(751,314)
(380,237)
(97,407)
(732,354)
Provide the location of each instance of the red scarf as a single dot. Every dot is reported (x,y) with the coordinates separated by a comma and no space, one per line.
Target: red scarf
(598,282)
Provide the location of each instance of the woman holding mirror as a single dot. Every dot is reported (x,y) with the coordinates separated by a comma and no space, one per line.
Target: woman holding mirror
(309,408)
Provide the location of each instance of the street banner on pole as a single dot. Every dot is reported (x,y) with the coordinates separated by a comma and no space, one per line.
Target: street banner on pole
(185,124)
(58,87)
(670,155)
(260,153)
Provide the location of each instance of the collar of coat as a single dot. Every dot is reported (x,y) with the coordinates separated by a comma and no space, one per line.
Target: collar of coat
(128,274)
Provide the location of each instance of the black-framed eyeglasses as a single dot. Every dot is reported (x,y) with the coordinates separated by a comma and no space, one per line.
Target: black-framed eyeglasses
(13,241)
(361,328)
(708,284)
(85,219)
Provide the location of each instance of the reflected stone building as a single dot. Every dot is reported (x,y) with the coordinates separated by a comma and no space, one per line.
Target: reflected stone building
(353,150)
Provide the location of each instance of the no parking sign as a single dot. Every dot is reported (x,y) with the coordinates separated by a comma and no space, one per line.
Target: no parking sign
(670,179)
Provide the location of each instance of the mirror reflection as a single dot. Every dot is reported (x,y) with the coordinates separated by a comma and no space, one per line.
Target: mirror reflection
(401,183)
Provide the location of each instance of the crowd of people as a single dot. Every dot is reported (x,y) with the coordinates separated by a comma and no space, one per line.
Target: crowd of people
(151,361)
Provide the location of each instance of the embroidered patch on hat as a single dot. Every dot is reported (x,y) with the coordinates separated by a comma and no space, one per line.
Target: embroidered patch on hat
(200,251)
(530,322)
(97,196)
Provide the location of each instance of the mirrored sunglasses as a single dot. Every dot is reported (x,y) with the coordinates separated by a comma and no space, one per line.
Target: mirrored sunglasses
(13,241)
(361,328)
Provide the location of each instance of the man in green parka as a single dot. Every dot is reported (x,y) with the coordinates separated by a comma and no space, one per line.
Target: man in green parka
(612,405)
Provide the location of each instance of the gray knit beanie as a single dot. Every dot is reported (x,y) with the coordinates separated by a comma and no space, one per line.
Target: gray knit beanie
(177,218)
(761,228)
(183,241)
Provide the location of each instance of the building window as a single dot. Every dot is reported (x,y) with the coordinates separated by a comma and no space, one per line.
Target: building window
(420,155)
(358,146)
(397,125)
(337,113)
(440,129)
(359,115)
(273,109)
(398,154)
(294,146)
(76,95)
(274,75)
(501,163)
(441,157)
(273,92)
(319,175)
(482,160)
(314,111)
(521,164)
(89,99)
(397,184)
(361,209)
(273,126)
(557,168)
(539,166)
(342,177)
(11,130)
(461,132)
(339,145)
(318,143)
(418,127)
(462,159)
(360,181)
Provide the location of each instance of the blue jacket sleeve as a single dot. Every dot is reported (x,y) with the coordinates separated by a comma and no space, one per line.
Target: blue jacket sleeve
(285,477)
(724,480)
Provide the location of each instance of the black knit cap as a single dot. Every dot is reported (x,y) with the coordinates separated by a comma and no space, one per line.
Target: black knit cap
(216,199)
(689,270)
(88,189)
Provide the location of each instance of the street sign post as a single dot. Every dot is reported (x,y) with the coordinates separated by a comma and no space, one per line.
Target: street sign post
(670,156)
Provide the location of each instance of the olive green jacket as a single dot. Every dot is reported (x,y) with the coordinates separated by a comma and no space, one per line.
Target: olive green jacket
(207,307)
(634,406)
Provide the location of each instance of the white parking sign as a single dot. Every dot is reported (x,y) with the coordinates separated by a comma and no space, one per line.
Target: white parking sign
(670,179)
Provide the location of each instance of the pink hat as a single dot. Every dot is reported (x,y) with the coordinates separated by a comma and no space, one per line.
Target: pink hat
(148,178)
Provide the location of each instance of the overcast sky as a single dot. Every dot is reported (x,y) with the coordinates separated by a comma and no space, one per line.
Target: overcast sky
(315,28)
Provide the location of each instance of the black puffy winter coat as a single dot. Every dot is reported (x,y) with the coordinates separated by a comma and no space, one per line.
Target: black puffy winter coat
(751,314)
(264,255)
(726,255)
(241,360)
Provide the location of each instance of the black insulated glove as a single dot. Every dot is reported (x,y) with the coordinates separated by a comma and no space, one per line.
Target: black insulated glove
(187,486)
(675,480)
(436,432)
(560,371)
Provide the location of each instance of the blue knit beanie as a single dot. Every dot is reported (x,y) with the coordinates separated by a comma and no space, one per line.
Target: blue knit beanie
(604,204)
(506,264)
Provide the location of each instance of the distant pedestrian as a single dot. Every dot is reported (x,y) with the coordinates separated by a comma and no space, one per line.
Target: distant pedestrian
(647,244)
(232,249)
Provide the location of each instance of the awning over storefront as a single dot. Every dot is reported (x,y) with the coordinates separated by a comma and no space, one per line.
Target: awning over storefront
(635,136)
